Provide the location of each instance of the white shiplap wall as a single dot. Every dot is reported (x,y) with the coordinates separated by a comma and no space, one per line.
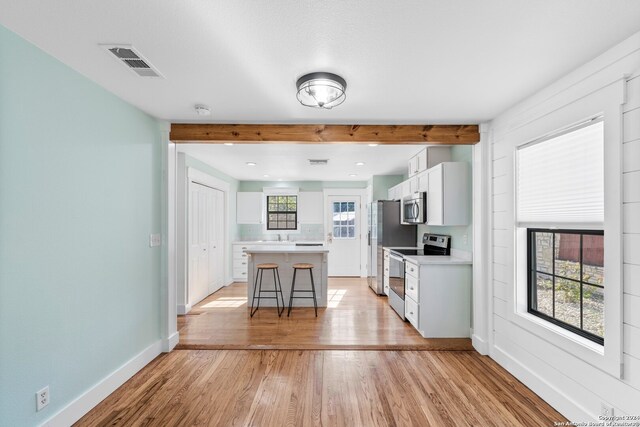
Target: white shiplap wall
(573,386)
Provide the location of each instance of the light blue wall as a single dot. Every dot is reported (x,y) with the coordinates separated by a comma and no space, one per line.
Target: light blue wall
(80,176)
(459,153)
(382,183)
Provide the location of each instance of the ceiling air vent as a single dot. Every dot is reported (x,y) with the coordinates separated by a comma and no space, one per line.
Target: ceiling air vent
(318,162)
(133,60)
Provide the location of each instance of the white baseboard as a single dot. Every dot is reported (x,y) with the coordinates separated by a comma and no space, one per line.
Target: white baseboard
(89,399)
(169,344)
(183,309)
(480,344)
(561,402)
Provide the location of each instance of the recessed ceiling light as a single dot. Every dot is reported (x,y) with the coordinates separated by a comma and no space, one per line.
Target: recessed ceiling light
(228,143)
(251,163)
(353,174)
(266,176)
(359,163)
(203,110)
(373,145)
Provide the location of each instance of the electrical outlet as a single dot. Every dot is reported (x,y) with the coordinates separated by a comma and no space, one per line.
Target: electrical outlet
(154,240)
(42,398)
(606,410)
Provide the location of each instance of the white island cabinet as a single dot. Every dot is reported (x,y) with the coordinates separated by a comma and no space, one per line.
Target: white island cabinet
(438,295)
(285,256)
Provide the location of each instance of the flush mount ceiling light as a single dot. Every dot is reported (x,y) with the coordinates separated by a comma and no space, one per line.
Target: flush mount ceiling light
(321,90)
(359,163)
(251,163)
(353,174)
(373,145)
(228,143)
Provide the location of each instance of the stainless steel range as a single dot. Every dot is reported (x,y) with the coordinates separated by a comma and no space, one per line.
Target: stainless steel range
(434,244)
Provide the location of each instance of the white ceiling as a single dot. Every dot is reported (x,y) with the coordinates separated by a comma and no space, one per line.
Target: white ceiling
(412,61)
(290,162)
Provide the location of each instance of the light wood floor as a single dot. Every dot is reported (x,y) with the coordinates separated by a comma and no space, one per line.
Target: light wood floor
(322,388)
(355,319)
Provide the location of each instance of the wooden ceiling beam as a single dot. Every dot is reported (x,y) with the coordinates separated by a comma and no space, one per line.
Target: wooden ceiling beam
(324,134)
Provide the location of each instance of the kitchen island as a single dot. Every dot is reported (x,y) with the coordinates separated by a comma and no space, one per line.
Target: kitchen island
(285,256)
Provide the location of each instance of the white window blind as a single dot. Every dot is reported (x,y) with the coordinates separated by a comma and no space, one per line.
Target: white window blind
(561,179)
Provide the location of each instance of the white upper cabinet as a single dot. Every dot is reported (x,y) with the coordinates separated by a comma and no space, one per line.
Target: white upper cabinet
(428,158)
(423,181)
(249,207)
(448,194)
(395,192)
(310,207)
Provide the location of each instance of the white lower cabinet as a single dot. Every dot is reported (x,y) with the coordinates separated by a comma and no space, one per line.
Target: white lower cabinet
(385,266)
(438,299)
(240,263)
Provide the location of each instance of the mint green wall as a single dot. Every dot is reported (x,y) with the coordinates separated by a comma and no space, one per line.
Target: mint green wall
(459,153)
(233,230)
(80,174)
(382,183)
(301,185)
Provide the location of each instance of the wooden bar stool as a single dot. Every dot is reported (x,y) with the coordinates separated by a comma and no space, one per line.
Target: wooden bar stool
(303,266)
(276,283)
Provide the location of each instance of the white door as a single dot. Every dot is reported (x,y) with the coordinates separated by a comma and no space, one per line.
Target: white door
(206,266)
(343,237)
(216,240)
(198,244)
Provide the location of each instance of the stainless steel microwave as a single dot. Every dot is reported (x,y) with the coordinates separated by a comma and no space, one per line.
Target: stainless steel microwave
(414,209)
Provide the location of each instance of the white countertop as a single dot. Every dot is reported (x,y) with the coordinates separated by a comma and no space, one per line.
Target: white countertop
(437,259)
(275,242)
(281,249)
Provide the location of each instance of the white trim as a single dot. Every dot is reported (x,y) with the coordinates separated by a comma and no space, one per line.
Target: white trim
(547,391)
(482,289)
(362,192)
(90,398)
(607,101)
(168,313)
(170,343)
(184,308)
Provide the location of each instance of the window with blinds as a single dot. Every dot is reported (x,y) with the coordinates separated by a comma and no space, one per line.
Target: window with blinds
(560,201)
(560,180)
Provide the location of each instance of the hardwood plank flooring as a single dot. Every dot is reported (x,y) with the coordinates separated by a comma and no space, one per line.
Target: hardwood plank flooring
(355,319)
(322,388)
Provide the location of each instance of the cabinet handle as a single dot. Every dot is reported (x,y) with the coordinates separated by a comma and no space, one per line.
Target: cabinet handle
(244,263)
(411,313)
(411,288)
(244,247)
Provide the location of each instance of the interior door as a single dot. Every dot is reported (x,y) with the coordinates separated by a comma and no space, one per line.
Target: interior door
(216,239)
(198,274)
(344,235)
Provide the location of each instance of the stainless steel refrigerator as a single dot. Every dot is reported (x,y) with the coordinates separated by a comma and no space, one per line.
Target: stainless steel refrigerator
(385,230)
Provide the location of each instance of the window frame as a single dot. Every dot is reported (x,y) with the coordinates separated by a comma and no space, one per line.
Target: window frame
(532,273)
(269,212)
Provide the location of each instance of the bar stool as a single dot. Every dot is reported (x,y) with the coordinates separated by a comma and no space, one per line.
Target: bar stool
(303,266)
(276,283)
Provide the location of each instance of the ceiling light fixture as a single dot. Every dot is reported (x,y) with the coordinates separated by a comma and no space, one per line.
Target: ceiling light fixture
(321,90)
(203,110)
(265,175)
(228,143)
(359,163)
(251,163)
(353,174)
(373,145)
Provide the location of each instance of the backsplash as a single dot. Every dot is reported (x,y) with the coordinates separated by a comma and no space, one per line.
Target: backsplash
(306,232)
